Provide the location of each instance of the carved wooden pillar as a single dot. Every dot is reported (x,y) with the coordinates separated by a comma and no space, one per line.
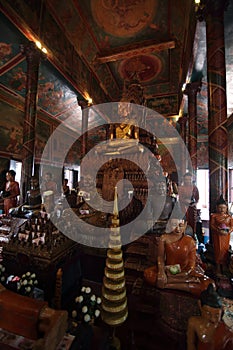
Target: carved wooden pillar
(183,127)
(191,91)
(84,106)
(216,74)
(183,133)
(33,57)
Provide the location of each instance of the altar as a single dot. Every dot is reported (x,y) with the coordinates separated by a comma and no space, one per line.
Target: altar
(39,247)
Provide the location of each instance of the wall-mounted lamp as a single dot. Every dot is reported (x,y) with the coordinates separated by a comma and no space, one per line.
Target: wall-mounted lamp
(40,47)
(88,98)
(183,86)
(200,9)
(90,101)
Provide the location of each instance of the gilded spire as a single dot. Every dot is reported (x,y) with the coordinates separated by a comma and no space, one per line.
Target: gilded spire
(114,300)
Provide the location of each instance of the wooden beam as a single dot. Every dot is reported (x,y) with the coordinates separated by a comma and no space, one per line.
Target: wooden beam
(134,50)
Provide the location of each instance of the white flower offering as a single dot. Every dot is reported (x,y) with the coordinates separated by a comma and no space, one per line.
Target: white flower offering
(84,309)
(87,318)
(97,313)
(93,297)
(74,313)
(88,290)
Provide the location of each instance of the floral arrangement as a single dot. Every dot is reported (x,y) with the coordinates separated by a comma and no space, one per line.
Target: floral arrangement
(87,306)
(26,283)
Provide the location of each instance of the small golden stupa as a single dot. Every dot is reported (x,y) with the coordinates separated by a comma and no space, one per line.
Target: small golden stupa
(114,300)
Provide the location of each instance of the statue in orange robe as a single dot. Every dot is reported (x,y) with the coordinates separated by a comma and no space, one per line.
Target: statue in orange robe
(12,191)
(177,266)
(208,331)
(221,225)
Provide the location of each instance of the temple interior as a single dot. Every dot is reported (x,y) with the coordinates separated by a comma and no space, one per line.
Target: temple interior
(116,175)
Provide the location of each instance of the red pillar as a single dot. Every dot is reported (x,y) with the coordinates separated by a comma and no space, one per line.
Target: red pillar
(216,74)
(183,127)
(183,133)
(191,91)
(33,56)
(84,106)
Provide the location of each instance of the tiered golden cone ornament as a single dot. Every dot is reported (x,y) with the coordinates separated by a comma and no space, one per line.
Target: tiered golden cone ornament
(114,300)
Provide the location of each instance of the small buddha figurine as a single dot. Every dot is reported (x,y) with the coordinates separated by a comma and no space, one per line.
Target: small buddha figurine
(177,266)
(208,331)
(221,225)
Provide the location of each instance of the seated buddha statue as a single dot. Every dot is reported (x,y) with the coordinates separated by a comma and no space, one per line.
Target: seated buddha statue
(124,131)
(177,266)
(124,138)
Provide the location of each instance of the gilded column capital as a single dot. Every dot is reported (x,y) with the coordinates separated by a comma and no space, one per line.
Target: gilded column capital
(32,53)
(183,120)
(83,104)
(192,89)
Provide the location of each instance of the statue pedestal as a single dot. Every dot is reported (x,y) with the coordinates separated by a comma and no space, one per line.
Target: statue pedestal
(175,311)
(176,307)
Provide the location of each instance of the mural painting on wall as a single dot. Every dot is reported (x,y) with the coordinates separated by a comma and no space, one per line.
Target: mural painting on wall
(202,125)
(54,95)
(13,64)
(4,166)
(65,148)
(80,73)
(15,79)
(160,124)
(58,147)
(202,155)
(167,162)
(73,155)
(95,136)
(10,38)
(11,129)
(164,105)
(43,131)
(55,36)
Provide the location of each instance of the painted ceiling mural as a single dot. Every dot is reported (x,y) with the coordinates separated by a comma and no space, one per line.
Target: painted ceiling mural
(56,98)
(101,44)
(103,38)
